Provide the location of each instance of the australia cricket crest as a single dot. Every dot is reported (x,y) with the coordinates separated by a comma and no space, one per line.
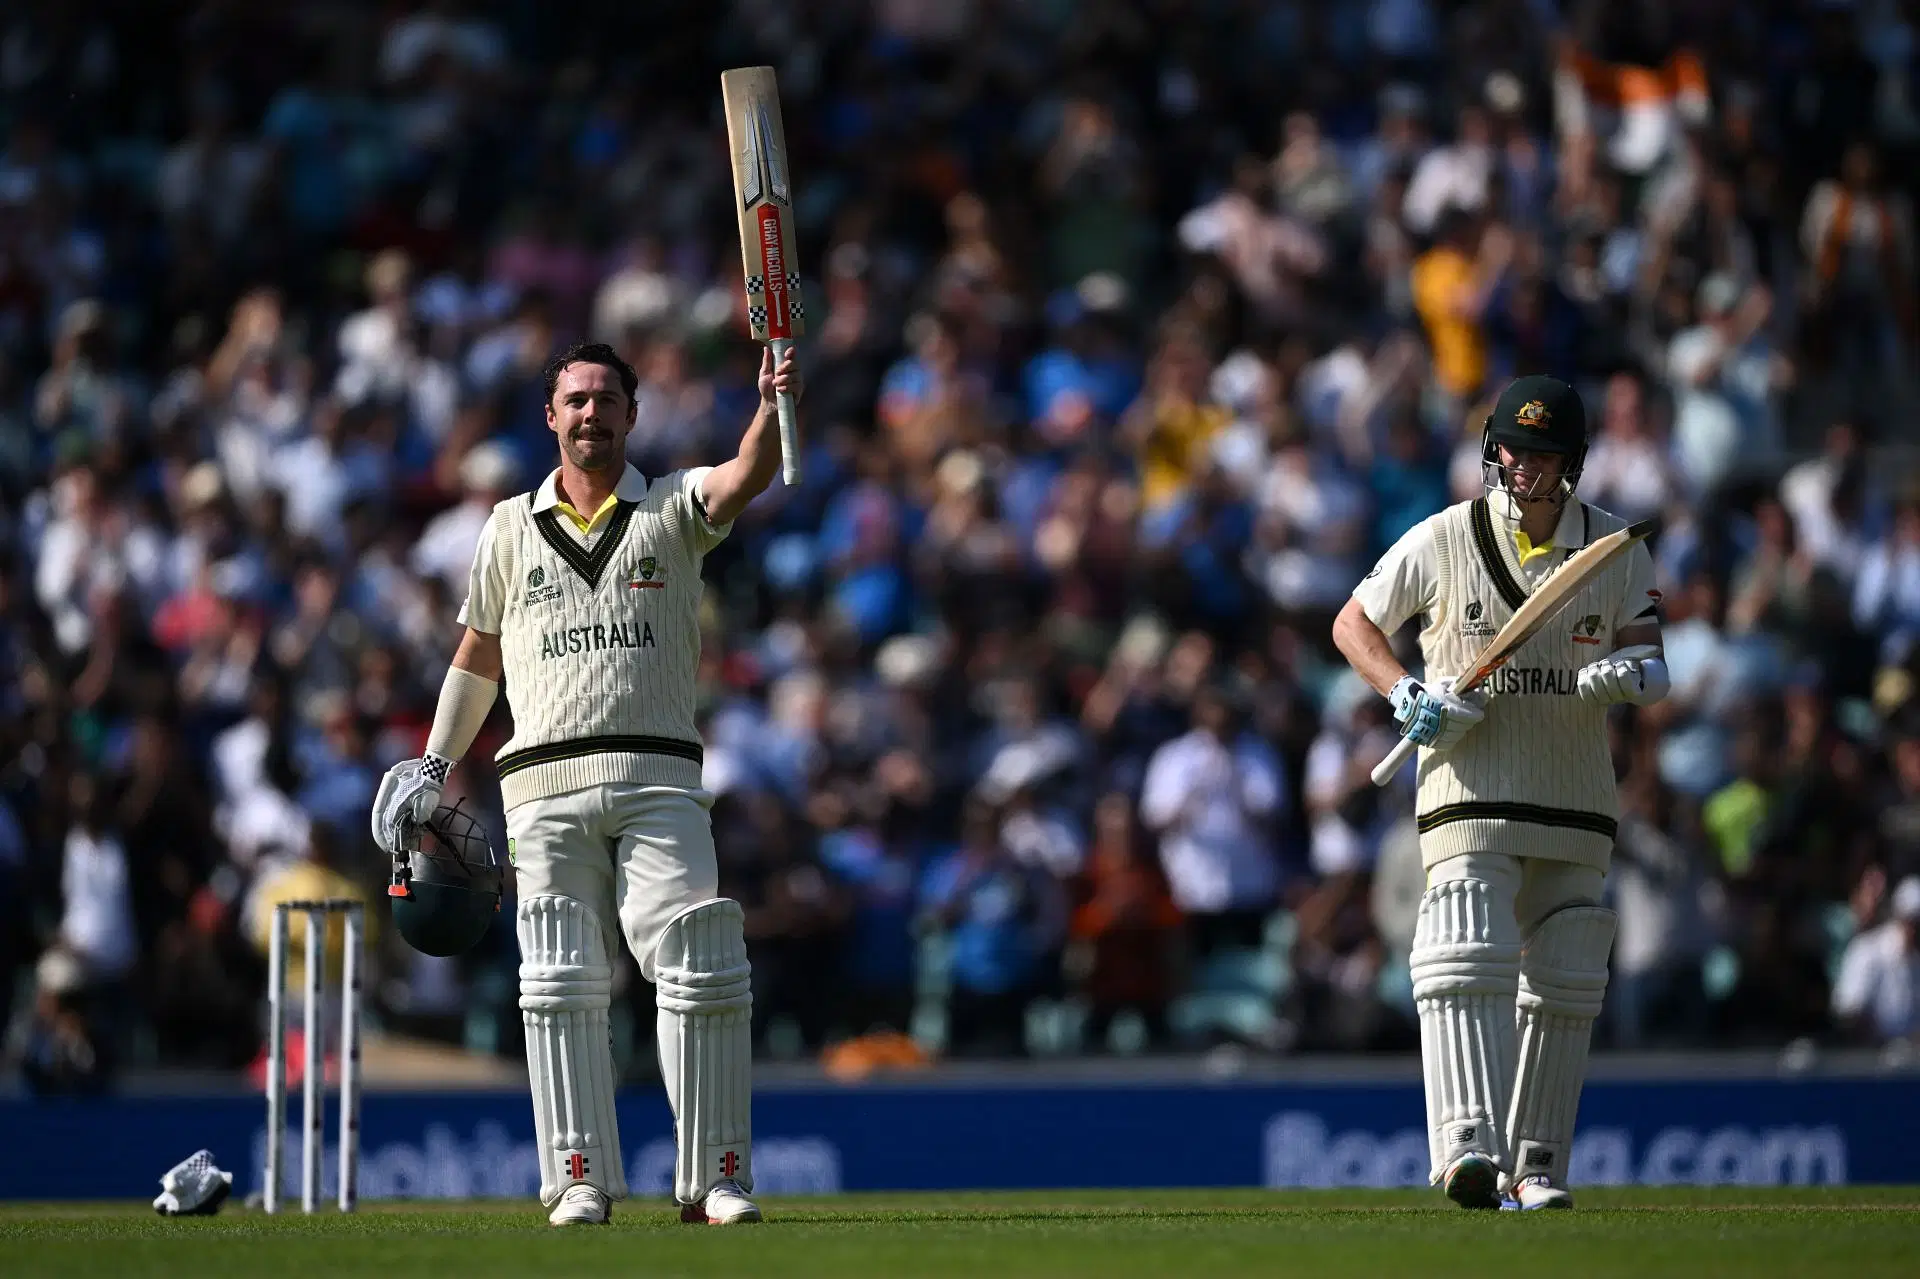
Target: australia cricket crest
(646,575)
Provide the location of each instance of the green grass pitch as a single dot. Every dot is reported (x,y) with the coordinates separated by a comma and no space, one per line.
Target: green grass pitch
(1857,1232)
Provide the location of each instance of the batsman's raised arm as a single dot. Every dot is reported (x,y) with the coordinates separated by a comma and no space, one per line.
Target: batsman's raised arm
(730,487)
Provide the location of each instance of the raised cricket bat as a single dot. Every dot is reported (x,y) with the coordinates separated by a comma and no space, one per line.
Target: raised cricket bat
(1547,599)
(763,199)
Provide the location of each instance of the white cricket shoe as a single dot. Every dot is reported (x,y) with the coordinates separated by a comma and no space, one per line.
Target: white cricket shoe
(1472,1181)
(1537,1191)
(726,1205)
(582,1205)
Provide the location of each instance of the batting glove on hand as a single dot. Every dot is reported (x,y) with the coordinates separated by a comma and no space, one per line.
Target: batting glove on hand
(1437,717)
(407,796)
(1637,674)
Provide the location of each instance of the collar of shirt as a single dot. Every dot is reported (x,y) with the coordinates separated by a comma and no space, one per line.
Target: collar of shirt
(631,488)
(1570,533)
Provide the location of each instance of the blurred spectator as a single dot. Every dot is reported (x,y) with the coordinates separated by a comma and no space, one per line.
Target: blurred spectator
(96,928)
(1886,593)
(1723,372)
(445,548)
(1664,897)
(1877,995)
(65,1054)
(1127,927)
(1453,283)
(793,916)
(1858,241)
(1000,917)
(310,872)
(1213,796)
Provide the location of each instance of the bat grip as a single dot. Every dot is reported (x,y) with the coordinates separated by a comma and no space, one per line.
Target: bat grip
(789,420)
(1402,752)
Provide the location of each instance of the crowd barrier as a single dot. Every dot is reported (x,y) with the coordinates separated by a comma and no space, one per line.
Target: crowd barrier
(823,1139)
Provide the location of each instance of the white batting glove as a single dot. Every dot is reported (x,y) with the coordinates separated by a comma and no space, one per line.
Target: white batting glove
(407,796)
(1435,716)
(1637,674)
(193,1187)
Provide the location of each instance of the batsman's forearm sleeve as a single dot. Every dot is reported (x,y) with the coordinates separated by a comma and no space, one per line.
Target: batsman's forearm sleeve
(465,699)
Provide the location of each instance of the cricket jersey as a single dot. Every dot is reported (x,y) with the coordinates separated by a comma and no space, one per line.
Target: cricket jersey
(599,624)
(1535,778)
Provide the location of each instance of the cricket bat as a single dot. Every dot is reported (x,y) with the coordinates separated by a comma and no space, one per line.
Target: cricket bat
(763,199)
(1547,599)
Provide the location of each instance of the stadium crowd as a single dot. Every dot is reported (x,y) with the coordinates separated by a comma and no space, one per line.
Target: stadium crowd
(1137,331)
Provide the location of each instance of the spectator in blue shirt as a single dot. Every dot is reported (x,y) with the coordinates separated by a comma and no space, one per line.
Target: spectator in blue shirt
(997,914)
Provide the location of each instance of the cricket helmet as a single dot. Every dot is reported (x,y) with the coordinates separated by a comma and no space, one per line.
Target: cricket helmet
(446,885)
(1536,414)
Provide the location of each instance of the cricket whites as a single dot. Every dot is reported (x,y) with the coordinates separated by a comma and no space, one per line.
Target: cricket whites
(763,200)
(1547,599)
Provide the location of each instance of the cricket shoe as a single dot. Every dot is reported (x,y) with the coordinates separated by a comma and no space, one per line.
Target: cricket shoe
(1472,1181)
(582,1205)
(726,1205)
(1537,1191)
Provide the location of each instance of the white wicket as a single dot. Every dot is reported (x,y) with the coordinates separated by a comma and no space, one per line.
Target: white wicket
(318,913)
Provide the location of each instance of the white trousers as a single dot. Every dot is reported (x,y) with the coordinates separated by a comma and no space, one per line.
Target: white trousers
(632,853)
(1532,887)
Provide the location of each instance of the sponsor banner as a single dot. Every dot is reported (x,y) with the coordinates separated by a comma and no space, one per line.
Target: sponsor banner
(903,1136)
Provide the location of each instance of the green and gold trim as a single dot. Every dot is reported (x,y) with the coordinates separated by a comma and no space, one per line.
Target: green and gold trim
(1508,811)
(590,565)
(1486,541)
(616,743)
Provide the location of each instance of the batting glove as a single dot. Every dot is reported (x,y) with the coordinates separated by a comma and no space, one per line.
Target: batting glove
(1637,674)
(193,1187)
(1437,717)
(407,797)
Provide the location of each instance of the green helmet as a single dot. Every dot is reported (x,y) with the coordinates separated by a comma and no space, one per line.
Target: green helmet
(1538,414)
(446,888)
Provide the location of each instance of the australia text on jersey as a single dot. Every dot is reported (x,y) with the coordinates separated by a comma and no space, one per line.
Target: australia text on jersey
(587,639)
(1536,681)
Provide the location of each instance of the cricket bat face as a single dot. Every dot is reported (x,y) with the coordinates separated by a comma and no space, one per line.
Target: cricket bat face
(763,199)
(1548,599)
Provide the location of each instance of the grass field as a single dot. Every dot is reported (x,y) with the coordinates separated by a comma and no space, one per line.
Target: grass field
(1642,1234)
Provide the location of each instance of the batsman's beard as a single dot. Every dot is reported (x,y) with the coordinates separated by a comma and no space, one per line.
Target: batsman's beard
(592,450)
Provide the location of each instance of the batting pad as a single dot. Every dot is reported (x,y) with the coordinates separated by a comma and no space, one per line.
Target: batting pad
(703,987)
(1466,964)
(1563,978)
(566,980)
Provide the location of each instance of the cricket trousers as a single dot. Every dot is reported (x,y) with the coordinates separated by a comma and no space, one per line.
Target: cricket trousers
(631,853)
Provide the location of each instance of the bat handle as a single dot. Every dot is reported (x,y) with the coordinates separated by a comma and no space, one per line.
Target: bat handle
(1402,752)
(789,420)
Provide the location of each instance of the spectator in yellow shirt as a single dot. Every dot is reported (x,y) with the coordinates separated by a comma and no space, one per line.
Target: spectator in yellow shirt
(311,877)
(1452,283)
(1173,423)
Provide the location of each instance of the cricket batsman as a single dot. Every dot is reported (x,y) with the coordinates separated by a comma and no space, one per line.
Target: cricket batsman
(585,597)
(1516,807)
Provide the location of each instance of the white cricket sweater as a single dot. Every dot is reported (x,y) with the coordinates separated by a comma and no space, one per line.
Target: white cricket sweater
(1535,779)
(600,635)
